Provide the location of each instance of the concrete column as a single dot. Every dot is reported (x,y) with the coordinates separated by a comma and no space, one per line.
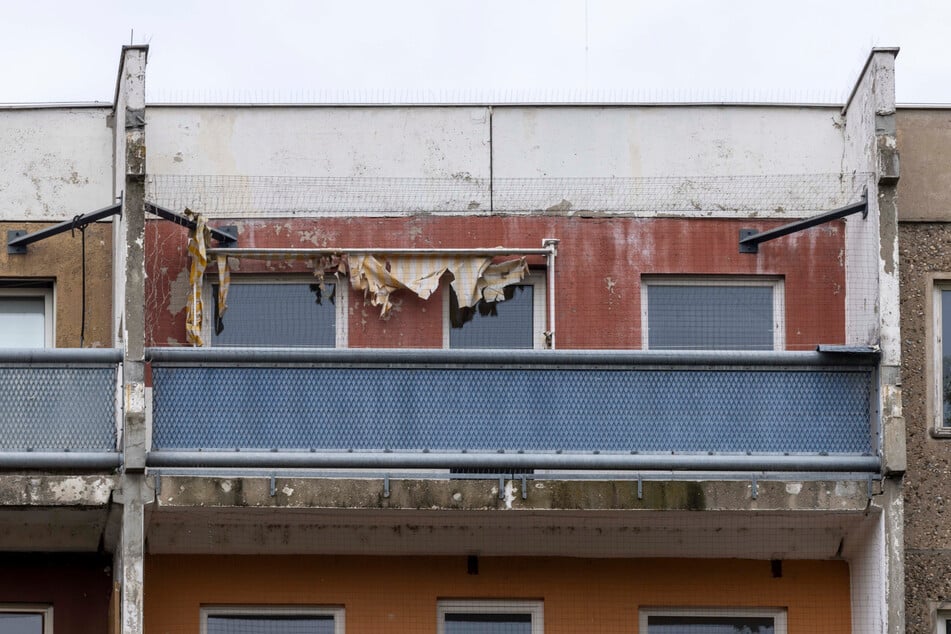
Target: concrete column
(872,309)
(129,289)
(130,555)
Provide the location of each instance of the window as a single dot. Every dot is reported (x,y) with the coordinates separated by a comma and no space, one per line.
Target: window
(943,621)
(517,322)
(26,315)
(712,621)
(272,620)
(279,312)
(716,313)
(942,357)
(26,619)
(490,617)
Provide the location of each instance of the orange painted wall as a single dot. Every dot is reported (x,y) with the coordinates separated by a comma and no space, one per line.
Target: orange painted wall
(59,260)
(399,594)
(598,269)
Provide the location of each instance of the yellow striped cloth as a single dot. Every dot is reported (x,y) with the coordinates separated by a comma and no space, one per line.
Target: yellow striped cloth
(475,278)
(198,239)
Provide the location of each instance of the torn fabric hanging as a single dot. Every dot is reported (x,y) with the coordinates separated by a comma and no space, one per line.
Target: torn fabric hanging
(475,278)
(198,239)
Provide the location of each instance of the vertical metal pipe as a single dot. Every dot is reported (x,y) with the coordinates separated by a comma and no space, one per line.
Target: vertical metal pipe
(552,245)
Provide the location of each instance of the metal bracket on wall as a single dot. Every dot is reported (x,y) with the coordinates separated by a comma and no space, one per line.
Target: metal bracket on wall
(226,237)
(750,239)
(754,489)
(524,487)
(386,485)
(17,240)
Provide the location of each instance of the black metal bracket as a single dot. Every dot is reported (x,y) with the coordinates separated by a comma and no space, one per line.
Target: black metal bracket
(226,236)
(750,239)
(17,240)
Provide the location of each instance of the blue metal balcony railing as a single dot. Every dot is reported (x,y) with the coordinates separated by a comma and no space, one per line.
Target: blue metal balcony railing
(58,408)
(789,411)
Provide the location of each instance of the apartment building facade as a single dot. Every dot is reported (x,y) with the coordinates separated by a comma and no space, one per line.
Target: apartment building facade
(924,136)
(457,368)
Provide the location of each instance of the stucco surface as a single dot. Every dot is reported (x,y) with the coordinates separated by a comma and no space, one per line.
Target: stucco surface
(59,260)
(57,162)
(927,587)
(925,253)
(924,140)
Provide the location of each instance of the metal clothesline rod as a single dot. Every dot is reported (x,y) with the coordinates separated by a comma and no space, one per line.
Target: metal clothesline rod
(179,219)
(18,240)
(251,252)
(750,239)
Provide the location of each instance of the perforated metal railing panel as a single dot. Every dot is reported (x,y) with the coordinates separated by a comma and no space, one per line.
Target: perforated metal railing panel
(65,408)
(758,410)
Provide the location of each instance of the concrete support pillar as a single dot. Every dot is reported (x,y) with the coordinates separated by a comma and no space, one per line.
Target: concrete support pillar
(130,555)
(872,256)
(129,289)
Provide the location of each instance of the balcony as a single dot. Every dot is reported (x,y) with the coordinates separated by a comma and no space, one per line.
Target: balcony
(594,410)
(58,408)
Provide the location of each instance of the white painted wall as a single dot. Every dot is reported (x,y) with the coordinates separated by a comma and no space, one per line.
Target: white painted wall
(57,162)
(680,160)
(369,142)
(439,154)
(639,141)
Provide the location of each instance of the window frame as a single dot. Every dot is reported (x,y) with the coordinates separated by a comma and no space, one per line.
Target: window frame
(341,300)
(941,616)
(44,289)
(535,608)
(935,342)
(31,608)
(539,282)
(338,612)
(776,282)
(777,614)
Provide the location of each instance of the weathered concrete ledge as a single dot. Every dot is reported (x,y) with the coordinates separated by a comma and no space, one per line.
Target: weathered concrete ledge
(55,490)
(540,495)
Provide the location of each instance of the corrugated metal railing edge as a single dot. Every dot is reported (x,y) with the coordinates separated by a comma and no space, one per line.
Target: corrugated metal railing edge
(60,460)
(398,460)
(391,357)
(27,356)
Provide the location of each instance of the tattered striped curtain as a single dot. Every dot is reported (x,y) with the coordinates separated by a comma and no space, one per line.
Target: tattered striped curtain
(475,278)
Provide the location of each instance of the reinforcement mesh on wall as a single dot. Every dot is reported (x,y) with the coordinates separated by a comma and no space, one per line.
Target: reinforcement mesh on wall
(775,195)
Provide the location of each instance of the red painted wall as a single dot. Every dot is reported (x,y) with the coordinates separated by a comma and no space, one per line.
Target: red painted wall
(598,269)
(78,586)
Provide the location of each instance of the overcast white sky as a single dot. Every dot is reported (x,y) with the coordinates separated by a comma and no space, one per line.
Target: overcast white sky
(461,50)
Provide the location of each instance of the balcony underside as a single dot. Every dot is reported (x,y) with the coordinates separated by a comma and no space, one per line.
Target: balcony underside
(809,520)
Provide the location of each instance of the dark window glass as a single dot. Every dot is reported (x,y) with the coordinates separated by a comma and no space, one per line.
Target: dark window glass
(277,315)
(505,324)
(709,625)
(946,355)
(270,624)
(21,623)
(709,317)
(487,623)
